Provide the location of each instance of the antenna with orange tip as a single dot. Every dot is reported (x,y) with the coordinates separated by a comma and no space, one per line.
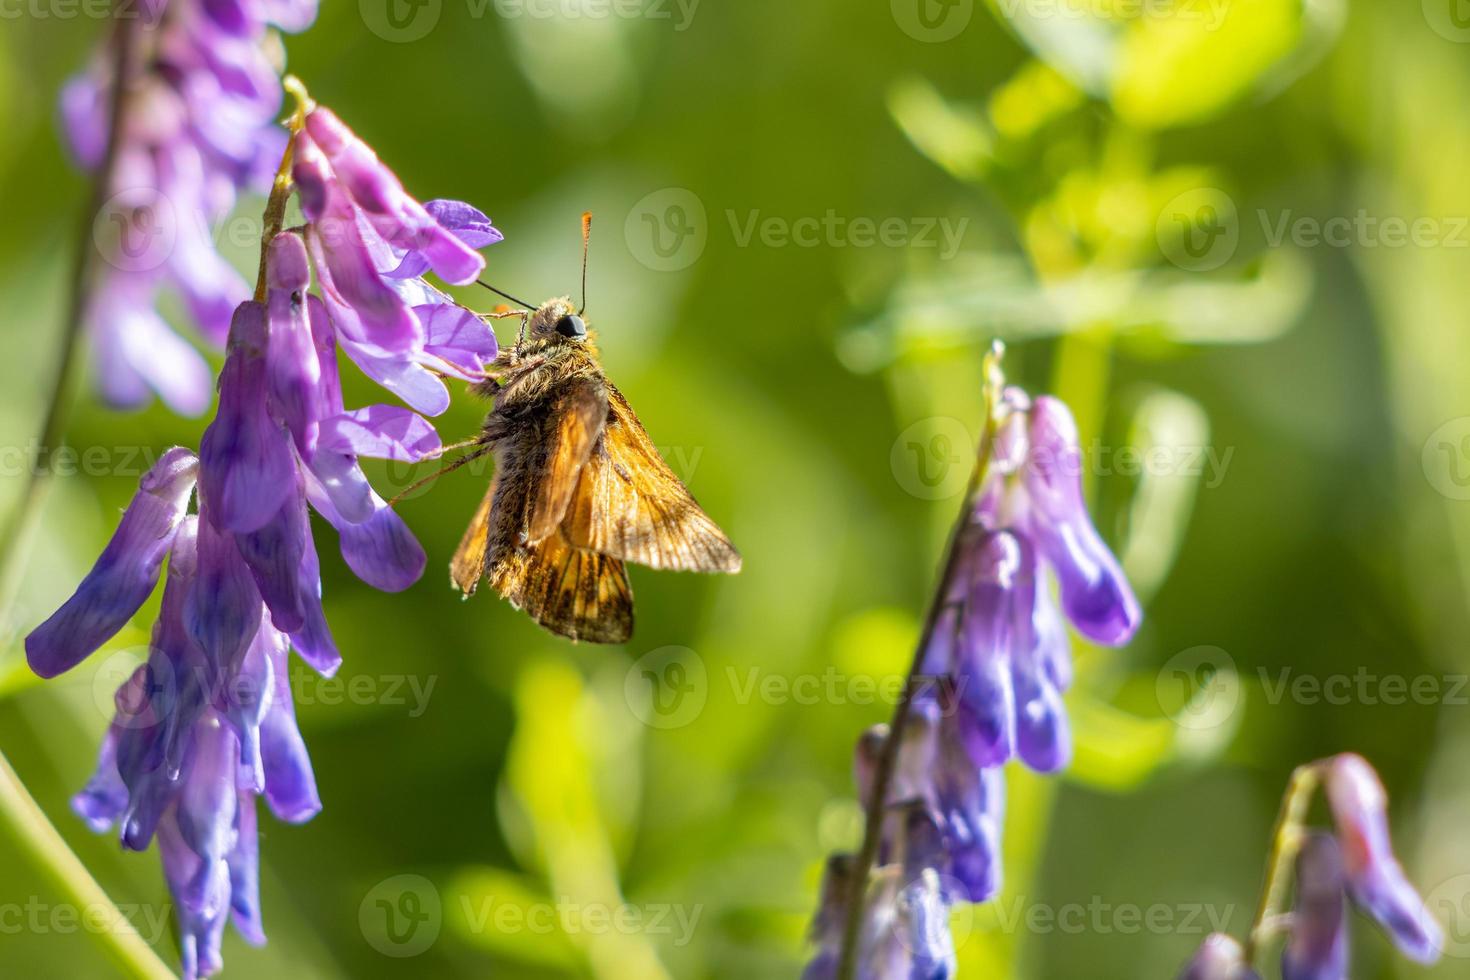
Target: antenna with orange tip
(586,241)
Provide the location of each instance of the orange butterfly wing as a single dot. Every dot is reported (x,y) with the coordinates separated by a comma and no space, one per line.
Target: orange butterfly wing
(630,505)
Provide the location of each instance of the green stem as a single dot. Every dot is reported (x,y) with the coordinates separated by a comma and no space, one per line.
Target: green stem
(280,196)
(1286,840)
(39,839)
(876,802)
(21,531)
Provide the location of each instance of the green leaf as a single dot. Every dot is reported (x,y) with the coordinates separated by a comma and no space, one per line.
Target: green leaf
(1194,62)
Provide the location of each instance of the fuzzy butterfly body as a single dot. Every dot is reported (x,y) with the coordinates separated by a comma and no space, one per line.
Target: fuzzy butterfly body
(579,491)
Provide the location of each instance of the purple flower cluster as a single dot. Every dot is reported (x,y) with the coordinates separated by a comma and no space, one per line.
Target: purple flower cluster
(207,724)
(198,126)
(1352,866)
(989,689)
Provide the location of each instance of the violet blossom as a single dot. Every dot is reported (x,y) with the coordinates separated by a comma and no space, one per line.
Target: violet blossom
(198,127)
(207,724)
(1026,561)
(1352,866)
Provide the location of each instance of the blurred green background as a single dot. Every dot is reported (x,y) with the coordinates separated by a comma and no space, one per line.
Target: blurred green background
(1231,233)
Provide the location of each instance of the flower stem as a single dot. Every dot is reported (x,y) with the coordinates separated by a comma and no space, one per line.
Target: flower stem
(15,547)
(1285,842)
(275,205)
(39,839)
(876,802)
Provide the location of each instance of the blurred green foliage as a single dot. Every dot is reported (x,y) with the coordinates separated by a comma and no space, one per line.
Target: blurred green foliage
(1086,150)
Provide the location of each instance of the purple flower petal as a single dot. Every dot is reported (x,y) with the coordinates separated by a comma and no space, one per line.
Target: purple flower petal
(350,281)
(124,574)
(224,608)
(246,465)
(1317,947)
(982,671)
(292,16)
(971,806)
(201,917)
(292,362)
(1375,878)
(84,119)
(380,432)
(1043,733)
(290,785)
(274,554)
(138,351)
(467,223)
(314,641)
(344,483)
(400,219)
(206,814)
(1095,595)
(102,801)
(244,864)
(459,338)
(419,388)
(383,552)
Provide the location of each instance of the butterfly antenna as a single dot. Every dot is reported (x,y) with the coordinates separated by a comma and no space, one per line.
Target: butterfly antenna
(467,458)
(497,292)
(586,241)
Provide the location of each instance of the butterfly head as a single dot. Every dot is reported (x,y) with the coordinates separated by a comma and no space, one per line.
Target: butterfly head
(557,319)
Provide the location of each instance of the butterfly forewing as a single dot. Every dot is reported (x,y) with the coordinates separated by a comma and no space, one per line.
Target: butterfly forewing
(578,415)
(630,505)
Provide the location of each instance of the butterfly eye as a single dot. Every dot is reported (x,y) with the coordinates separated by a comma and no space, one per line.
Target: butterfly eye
(571,326)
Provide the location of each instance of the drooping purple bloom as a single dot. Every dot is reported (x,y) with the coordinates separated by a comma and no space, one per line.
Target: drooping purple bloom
(203,725)
(1002,635)
(124,575)
(1354,865)
(989,689)
(1317,947)
(964,802)
(369,242)
(905,929)
(207,724)
(1375,880)
(198,127)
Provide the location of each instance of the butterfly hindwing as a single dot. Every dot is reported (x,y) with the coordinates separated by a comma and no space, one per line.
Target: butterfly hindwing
(629,504)
(576,593)
(468,563)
